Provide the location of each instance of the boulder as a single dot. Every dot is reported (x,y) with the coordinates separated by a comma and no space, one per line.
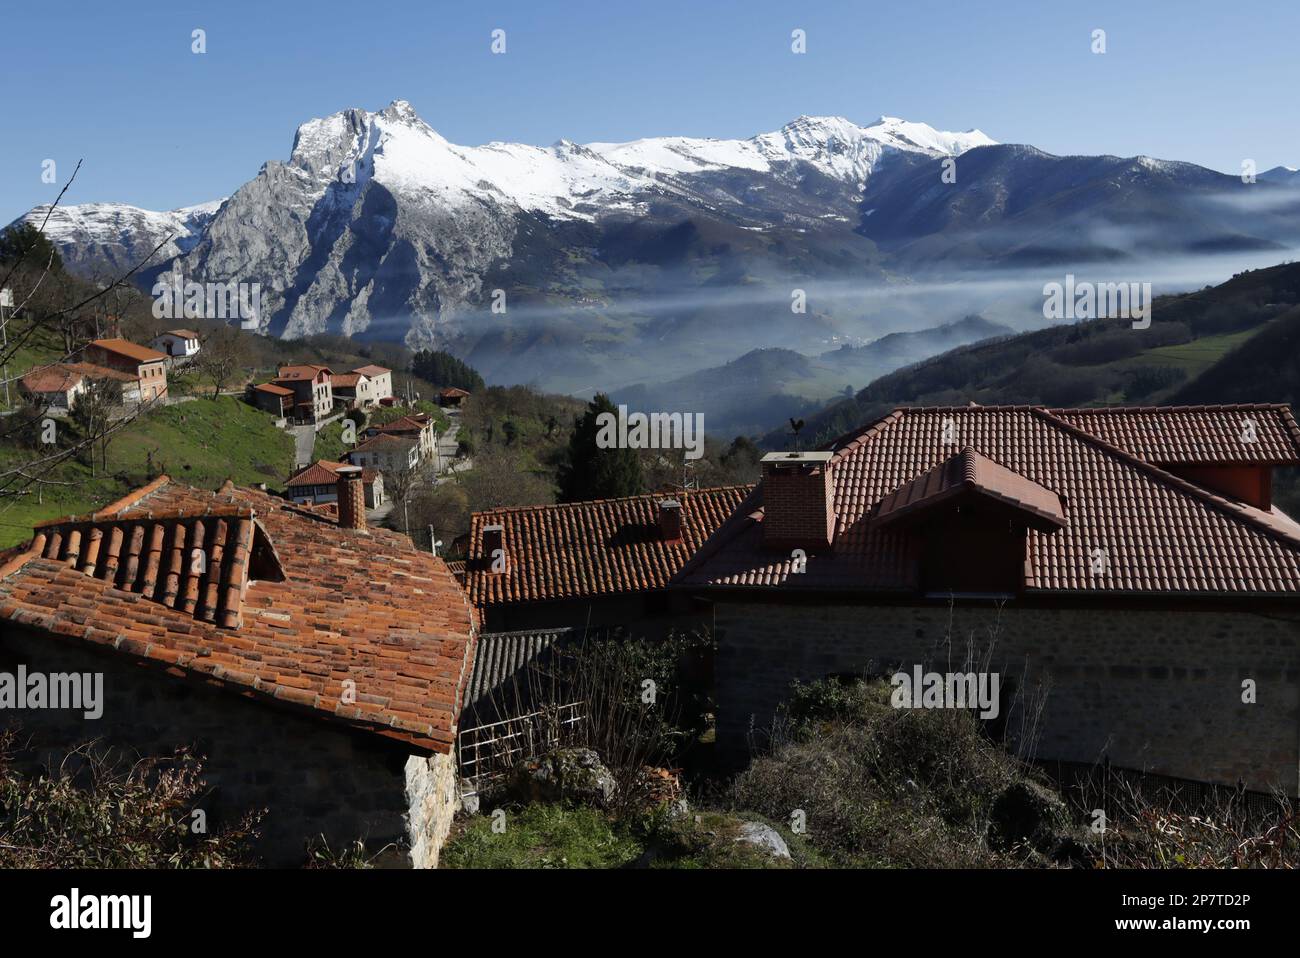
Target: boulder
(765,837)
(567,774)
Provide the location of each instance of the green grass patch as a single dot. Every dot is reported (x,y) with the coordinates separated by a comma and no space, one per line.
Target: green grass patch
(201,442)
(543,836)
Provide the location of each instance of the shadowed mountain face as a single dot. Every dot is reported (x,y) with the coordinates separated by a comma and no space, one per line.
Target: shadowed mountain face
(584,267)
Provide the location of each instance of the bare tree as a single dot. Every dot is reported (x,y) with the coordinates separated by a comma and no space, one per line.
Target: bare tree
(46,302)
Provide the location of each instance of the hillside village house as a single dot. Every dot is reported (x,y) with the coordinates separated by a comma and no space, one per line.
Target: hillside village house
(601,563)
(147,366)
(318,484)
(364,387)
(452,397)
(178,343)
(1126,565)
(380,381)
(58,386)
(54,387)
(275,399)
(416,426)
(386,453)
(318,665)
(313,395)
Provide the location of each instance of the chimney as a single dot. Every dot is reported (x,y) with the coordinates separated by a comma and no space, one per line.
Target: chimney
(494,548)
(352,498)
(670,520)
(798,501)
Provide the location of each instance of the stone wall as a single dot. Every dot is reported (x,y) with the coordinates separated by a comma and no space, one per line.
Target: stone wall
(1155,690)
(315,777)
(432,799)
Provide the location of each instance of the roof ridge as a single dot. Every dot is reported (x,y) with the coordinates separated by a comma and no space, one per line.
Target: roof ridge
(862,434)
(501,510)
(120,505)
(1224,505)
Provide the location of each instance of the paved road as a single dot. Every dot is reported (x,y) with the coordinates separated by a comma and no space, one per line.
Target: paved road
(304,440)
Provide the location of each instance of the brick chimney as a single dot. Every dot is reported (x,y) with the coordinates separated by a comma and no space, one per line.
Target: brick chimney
(798,501)
(494,548)
(352,498)
(670,520)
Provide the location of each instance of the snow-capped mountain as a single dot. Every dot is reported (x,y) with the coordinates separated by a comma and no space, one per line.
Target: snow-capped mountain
(106,239)
(378,227)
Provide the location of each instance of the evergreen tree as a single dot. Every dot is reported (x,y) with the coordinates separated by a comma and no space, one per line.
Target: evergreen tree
(594,473)
(20,238)
(441,368)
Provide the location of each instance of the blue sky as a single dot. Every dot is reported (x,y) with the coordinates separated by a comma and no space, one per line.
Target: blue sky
(160,127)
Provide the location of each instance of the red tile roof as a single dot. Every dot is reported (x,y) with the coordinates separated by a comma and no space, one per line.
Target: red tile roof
(285,606)
(1161,534)
(1195,435)
(580,549)
(451,392)
(133,351)
(182,333)
(404,425)
(371,370)
(384,441)
(345,380)
(273,389)
(91,371)
(968,473)
(305,371)
(51,379)
(324,472)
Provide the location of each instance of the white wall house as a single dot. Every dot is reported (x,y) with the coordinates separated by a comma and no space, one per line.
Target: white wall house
(177,343)
(381,381)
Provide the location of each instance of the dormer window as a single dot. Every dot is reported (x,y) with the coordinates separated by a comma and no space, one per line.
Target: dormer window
(966,522)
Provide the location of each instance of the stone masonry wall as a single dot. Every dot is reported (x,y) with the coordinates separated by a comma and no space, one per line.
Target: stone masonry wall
(433,800)
(316,778)
(1155,690)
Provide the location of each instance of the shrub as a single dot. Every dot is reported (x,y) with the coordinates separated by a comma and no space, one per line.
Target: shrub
(91,812)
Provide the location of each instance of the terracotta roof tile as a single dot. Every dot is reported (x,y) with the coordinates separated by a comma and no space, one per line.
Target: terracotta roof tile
(323,472)
(1161,534)
(50,379)
(604,547)
(968,473)
(290,607)
(122,347)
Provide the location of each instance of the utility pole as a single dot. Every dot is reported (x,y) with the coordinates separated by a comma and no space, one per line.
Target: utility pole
(6,299)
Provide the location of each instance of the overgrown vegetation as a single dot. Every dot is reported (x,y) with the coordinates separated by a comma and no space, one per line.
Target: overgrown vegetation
(94,810)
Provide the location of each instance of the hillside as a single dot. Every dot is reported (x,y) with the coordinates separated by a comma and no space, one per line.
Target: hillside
(1199,347)
(201,442)
(765,385)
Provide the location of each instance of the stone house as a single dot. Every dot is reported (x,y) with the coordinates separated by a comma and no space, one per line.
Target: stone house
(1123,568)
(318,665)
(146,366)
(601,563)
